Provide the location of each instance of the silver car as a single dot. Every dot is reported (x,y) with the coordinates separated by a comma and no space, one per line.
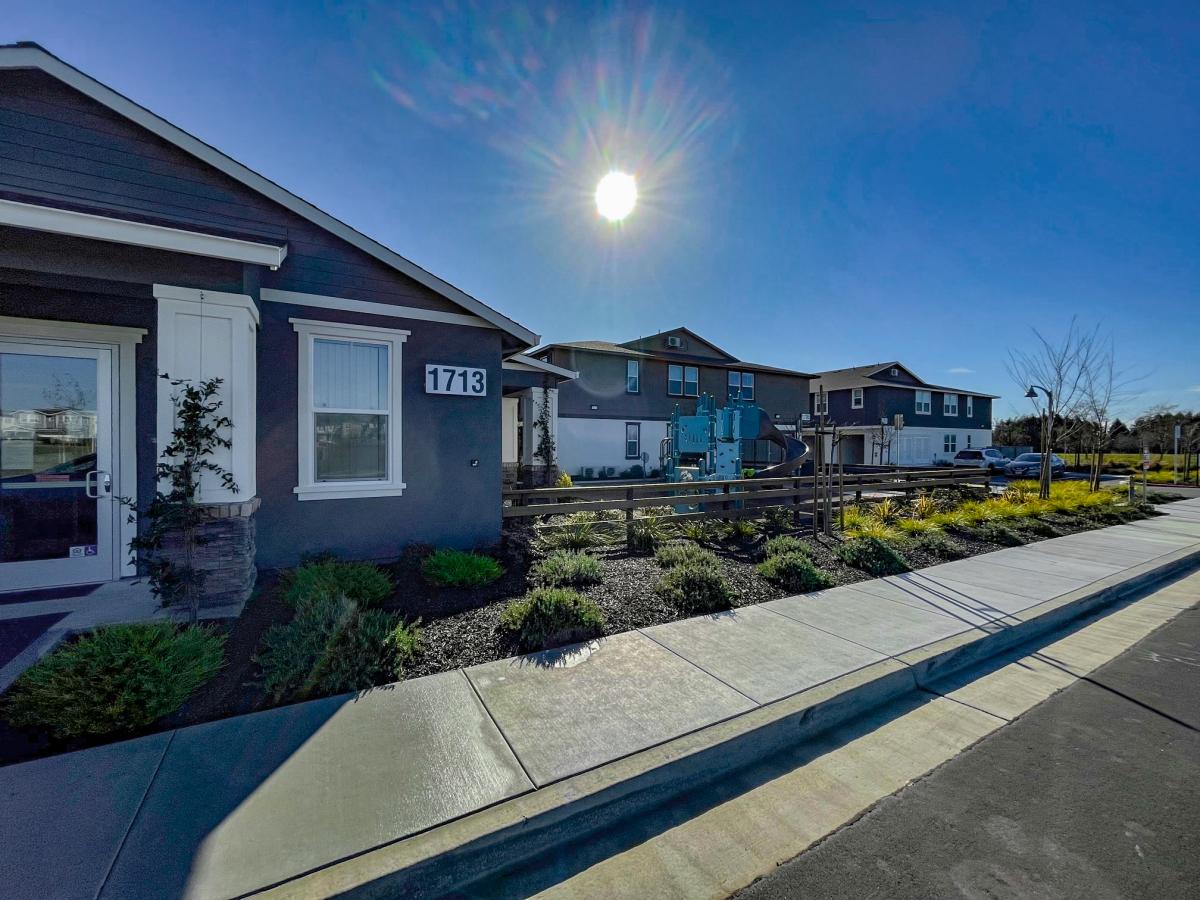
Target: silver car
(988,458)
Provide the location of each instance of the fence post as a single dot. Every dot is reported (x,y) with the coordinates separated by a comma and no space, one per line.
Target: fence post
(629,521)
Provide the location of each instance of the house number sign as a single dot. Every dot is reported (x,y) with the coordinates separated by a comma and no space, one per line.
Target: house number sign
(441,379)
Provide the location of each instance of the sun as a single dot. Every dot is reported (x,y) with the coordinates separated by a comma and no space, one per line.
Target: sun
(616,195)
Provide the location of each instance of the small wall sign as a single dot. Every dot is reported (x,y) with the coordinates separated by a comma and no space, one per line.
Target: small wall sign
(441,379)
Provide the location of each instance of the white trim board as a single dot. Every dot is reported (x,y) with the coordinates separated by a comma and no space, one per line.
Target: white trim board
(521,362)
(138,234)
(31,56)
(216,298)
(320,301)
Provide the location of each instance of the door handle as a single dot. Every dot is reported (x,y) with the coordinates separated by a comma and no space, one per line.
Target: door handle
(92,479)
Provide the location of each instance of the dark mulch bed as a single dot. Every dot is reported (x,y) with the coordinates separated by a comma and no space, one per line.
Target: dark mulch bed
(461,627)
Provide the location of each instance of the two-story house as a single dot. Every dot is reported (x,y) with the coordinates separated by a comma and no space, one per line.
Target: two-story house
(865,400)
(613,417)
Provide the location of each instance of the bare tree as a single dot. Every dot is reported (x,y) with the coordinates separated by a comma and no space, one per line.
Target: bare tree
(1061,368)
(1103,387)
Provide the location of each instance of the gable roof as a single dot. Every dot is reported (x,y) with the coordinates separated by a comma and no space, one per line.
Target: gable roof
(682,330)
(860,377)
(27,55)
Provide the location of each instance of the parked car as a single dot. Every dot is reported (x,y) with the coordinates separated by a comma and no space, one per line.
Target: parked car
(986,458)
(1029,465)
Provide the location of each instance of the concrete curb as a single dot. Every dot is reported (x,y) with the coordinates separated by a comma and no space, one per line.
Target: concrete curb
(451,856)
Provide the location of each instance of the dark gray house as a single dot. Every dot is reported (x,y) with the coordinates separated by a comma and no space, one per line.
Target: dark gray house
(613,416)
(865,400)
(365,392)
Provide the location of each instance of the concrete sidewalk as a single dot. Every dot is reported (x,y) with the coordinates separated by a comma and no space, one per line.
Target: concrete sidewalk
(239,805)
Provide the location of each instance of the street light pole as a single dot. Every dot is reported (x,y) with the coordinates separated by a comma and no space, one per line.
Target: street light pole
(1047,446)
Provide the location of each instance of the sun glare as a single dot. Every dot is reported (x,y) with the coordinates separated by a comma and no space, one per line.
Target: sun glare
(616,196)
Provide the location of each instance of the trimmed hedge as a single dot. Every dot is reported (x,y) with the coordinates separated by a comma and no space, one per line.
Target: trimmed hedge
(120,678)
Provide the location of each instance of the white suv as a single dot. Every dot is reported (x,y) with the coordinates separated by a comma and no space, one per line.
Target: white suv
(988,458)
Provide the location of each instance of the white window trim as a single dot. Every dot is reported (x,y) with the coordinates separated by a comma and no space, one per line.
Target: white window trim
(307,487)
(947,410)
(952,440)
(637,365)
(917,403)
(856,398)
(638,427)
(695,369)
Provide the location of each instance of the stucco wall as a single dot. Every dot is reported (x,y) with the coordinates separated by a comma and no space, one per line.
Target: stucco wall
(601,442)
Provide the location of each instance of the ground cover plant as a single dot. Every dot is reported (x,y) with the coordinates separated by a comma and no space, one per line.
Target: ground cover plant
(785,543)
(684,554)
(334,645)
(564,568)
(116,679)
(873,555)
(549,617)
(457,568)
(364,583)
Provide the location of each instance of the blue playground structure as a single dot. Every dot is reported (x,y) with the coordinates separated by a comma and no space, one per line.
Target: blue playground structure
(708,445)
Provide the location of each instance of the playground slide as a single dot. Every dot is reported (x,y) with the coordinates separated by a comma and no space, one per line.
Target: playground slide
(794,449)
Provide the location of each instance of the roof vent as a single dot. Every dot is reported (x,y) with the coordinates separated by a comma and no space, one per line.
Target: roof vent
(895,373)
(675,341)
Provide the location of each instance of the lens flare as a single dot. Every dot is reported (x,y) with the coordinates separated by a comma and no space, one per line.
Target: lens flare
(616,196)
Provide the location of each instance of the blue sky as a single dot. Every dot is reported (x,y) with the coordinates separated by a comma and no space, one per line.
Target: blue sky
(824,185)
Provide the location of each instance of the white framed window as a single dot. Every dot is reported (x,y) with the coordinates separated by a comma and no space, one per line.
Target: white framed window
(970,406)
(349,426)
(950,404)
(633,376)
(856,398)
(691,381)
(822,404)
(950,443)
(633,440)
(924,403)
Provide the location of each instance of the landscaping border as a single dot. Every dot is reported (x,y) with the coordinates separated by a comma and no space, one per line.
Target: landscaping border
(458,853)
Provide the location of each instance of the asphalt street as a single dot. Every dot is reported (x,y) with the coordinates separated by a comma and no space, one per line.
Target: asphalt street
(1093,794)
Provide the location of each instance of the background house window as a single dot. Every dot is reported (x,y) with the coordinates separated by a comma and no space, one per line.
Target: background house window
(970,406)
(633,440)
(741,385)
(633,378)
(691,381)
(950,404)
(822,404)
(924,402)
(675,380)
(349,387)
(856,398)
(950,443)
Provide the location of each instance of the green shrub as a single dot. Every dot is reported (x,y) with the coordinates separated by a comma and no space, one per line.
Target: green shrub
(696,530)
(575,535)
(333,645)
(785,543)
(917,526)
(925,506)
(794,571)
(695,589)
(886,510)
(935,542)
(457,568)
(673,555)
(362,582)
(646,534)
(872,528)
(873,556)
(996,533)
(552,616)
(742,531)
(777,518)
(563,568)
(119,678)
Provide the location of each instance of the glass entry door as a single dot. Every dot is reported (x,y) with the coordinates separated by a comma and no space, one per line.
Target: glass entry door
(58,513)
